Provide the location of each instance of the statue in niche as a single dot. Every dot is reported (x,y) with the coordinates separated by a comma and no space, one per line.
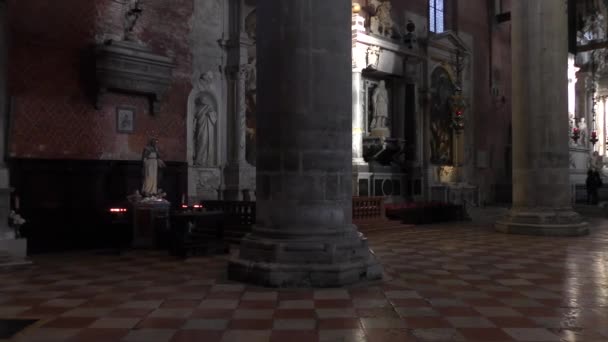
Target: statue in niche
(571,125)
(380,103)
(205,124)
(381,23)
(152,162)
(582,128)
(132,15)
(442,89)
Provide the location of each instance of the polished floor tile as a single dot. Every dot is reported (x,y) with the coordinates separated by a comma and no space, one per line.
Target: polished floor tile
(454,282)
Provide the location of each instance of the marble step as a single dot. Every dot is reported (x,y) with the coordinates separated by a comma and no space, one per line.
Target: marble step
(6,260)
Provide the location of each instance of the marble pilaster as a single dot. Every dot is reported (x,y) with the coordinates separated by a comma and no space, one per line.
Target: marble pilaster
(541,184)
(304,234)
(357,120)
(239,175)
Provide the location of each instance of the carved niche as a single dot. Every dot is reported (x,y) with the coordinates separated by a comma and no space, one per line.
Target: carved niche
(204,122)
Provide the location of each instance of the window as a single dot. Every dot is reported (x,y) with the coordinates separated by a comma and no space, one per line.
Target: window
(436,16)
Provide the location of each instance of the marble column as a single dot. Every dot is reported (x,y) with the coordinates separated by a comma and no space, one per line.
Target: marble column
(304,234)
(358,127)
(541,185)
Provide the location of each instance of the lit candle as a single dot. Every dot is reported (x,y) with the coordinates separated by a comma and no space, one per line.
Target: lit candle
(183,198)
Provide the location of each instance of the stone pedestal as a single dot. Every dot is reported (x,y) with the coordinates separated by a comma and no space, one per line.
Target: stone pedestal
(304,234)
(541,184)
(150,221)
(204,183)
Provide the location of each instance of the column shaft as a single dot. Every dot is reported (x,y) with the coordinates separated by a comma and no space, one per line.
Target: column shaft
(541,184)
(304,234)
(5,231)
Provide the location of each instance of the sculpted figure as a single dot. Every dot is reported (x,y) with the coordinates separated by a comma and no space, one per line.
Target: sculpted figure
(380,102)
(132,15)
(152,162)
(582,127)
(205,121)
(382,22)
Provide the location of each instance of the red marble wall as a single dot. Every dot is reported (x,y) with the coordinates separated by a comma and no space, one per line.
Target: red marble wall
(492,69)
(50,81)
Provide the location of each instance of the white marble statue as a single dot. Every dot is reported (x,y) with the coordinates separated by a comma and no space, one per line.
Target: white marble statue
(582,128)
(596,162)
(205,122)
(571,125)
(152,162)
(380,103)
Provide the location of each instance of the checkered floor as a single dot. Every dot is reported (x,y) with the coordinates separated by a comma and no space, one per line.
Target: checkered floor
(443,283)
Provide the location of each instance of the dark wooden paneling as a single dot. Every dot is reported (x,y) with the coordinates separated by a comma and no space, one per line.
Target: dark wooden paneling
(66,201)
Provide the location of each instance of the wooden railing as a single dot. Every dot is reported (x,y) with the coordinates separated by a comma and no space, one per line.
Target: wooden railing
(239,216)
(368,208)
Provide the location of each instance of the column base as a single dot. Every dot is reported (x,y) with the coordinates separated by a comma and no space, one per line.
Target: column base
(13,252)
(543,222)
(297,259)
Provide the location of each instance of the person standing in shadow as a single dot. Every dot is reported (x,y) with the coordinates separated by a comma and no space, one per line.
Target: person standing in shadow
(593,182)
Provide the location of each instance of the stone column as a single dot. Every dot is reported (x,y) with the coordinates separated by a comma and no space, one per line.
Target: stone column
(358,127)
(304,234)
(5,231)
(541,185)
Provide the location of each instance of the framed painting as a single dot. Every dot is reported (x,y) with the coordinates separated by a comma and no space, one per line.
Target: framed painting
(125,119)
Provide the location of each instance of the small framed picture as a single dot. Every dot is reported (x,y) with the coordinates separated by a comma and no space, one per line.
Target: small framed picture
(125,119)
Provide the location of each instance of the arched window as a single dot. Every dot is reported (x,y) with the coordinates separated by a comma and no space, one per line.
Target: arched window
(436,16)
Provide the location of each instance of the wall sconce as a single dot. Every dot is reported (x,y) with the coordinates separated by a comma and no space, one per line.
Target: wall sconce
(593,138)
(576,134)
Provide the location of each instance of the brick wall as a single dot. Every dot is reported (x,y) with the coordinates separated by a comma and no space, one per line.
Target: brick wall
(51,82)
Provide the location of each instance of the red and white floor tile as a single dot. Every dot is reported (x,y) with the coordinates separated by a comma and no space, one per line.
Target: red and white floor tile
(443,283)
